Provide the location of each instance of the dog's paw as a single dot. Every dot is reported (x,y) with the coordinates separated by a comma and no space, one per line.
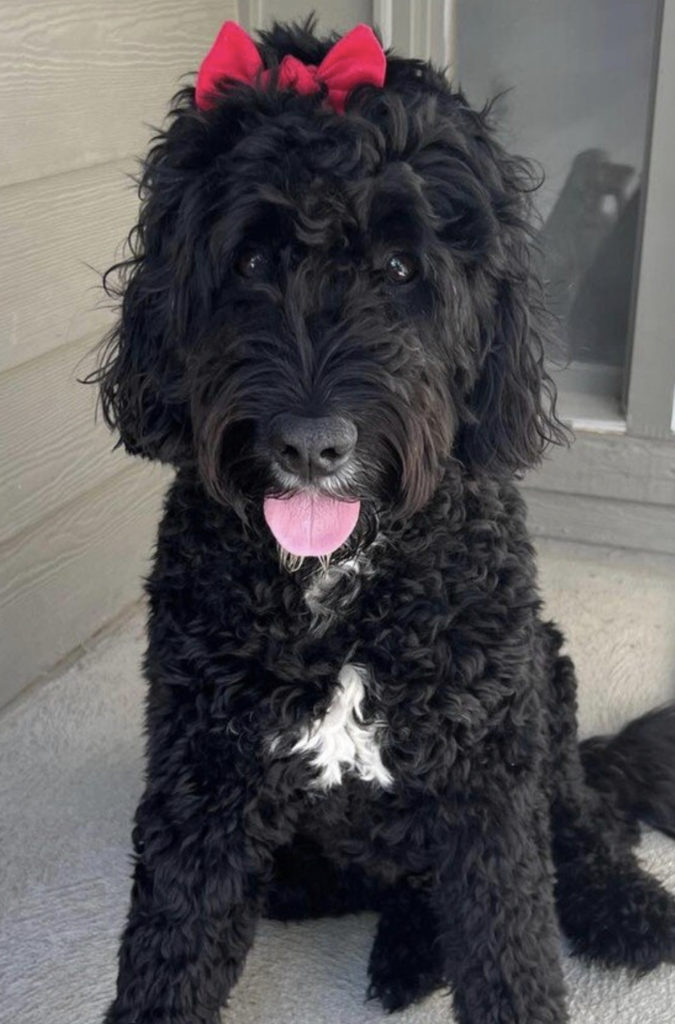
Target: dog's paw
(401,975)
(628,921)
(396,992)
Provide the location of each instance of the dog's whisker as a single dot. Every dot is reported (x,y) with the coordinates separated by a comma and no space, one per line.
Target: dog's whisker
(290,562)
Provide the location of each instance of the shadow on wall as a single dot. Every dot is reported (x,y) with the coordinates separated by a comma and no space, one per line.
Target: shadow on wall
(588,243)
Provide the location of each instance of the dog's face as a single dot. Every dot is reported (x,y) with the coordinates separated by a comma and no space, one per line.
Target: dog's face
(324,304)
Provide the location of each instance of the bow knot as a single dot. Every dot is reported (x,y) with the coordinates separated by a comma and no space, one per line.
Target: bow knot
(293,74)
(356,59)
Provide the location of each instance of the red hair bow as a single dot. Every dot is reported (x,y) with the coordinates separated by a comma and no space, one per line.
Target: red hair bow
(356,59)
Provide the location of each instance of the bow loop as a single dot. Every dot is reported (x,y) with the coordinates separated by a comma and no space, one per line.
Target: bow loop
(233,55)
(356,59)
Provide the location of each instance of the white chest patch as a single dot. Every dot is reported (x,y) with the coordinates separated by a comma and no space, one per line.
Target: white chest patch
(340,741)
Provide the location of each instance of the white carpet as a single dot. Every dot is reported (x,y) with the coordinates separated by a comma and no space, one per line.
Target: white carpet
(70,776)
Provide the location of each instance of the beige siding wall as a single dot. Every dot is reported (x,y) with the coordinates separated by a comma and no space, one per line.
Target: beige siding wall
(80,81)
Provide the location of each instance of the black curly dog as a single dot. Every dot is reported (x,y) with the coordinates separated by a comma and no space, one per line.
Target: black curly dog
(339,304)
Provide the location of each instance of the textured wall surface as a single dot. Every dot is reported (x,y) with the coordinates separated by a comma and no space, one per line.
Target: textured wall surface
(81,81)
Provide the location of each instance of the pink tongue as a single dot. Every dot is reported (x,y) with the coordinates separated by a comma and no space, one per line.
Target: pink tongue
(310,524)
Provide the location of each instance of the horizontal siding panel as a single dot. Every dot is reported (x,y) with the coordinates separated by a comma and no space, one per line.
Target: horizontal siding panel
(621,468)
(66,578)
(80,81)
(52,447)
(618,524)
(54,231)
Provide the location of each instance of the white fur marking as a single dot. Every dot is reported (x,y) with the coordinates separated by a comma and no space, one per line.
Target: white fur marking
(340,740)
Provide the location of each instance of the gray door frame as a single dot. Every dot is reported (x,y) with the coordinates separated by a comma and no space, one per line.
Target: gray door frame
(420,28)
(650,402)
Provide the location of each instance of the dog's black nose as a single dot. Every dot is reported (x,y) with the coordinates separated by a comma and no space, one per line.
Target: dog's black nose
(312,447)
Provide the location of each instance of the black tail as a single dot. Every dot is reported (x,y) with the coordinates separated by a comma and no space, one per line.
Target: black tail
(637,766)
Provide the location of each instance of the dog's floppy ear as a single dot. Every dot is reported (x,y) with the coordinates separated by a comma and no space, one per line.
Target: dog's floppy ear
(138,373)
(510,416)
(160,289)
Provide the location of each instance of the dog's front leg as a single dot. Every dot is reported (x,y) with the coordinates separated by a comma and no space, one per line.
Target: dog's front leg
(498,931)
(201,865)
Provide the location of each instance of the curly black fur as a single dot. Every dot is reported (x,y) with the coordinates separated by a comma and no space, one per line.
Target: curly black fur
(638,767)
(488,824)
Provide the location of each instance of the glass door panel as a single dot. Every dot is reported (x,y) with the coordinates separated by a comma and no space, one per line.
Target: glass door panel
(574,85)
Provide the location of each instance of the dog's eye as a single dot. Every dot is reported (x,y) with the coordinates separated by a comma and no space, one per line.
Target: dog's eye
(400,267)
(253,263)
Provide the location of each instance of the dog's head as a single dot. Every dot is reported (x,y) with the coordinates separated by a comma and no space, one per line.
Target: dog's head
(323,303)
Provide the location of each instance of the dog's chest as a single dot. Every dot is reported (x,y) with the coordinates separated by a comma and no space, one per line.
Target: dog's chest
(331,592)
(341,739)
